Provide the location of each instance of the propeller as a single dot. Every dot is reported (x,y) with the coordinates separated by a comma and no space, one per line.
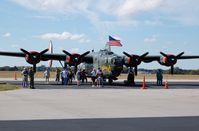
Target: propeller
(144,55)
(135,60)
(42,52)
(76,59)
(172,59)
(33,57)
(179,55)
(25,52)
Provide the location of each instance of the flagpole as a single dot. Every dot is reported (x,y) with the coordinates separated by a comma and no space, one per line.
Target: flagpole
(108,47)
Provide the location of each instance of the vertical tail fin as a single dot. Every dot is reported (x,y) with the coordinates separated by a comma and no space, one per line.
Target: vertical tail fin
(50,51)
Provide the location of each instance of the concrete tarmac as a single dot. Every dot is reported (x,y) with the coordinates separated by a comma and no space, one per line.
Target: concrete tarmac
(111,108)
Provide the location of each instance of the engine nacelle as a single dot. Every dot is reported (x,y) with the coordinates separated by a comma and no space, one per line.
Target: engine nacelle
(170,60)
(132,61)
(74,59)
(31,59)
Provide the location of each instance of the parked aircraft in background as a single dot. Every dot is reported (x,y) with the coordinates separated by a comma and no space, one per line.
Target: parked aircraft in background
(110,63)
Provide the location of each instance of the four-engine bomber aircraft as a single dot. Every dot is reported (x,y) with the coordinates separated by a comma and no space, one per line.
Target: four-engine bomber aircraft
(110,63)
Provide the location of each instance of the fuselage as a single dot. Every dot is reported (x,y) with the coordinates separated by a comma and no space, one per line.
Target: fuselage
(110,63)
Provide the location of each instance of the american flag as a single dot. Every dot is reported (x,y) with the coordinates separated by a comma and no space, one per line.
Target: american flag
(114,42)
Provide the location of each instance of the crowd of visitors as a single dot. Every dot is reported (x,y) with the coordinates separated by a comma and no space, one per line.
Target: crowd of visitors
(68,75)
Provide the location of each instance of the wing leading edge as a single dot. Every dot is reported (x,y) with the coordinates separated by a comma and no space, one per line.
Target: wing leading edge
(59,57)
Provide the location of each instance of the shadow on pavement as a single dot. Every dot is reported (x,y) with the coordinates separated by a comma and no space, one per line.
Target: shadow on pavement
(107,124)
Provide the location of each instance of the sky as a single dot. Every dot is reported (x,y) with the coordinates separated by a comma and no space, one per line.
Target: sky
(80,25)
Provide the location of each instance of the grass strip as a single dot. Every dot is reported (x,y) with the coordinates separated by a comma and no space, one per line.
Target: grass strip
(5,87)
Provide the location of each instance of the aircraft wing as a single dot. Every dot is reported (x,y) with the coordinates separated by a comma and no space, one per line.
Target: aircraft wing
(150,58)
(88,59)
(189,57)
(157,58)
(61,57)
(14,54)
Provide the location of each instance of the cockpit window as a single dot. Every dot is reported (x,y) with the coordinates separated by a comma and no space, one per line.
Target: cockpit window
(110,53)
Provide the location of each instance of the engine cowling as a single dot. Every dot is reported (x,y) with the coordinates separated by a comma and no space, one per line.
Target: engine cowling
(32,58)
(74,59)
(170,60)
(132,61)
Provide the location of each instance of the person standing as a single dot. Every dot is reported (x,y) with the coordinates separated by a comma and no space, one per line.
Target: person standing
(99,78)
(57,75)
(70,76)
(93,76)
(62,79)
(47,75)
(65,76)
(83,75)
(78,75)
(159,77)
(31,77)
(25,77)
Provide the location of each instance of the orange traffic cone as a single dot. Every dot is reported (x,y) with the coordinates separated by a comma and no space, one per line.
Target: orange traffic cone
(144,84)
(166,85)
(15,76)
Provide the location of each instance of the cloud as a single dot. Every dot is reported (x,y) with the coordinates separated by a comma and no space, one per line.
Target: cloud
(53,18)
(74,50)
(127,7)
(132,7)
(65,36)
(151,39)
(61,6)
(1,49)
(111,7)
(121,12)
(14,46)
(183,12)
(153,22)
(7,34)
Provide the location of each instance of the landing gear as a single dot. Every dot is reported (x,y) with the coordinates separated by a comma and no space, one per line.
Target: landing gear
(110,81)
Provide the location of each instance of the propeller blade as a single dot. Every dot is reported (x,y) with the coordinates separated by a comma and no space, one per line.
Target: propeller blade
(127,54)
(67,53)
(43,52)
(25,52)
(84,54)
(172,69)
(145,54)
(165,55)
(136,70)
(179,55)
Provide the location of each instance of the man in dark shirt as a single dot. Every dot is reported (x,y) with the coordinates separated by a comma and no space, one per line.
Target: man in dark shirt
(31,77)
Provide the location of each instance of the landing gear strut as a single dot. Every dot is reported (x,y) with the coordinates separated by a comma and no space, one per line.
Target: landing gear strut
(110,81)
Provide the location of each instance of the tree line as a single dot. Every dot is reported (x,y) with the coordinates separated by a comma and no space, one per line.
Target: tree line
(41,68)
(20,68)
